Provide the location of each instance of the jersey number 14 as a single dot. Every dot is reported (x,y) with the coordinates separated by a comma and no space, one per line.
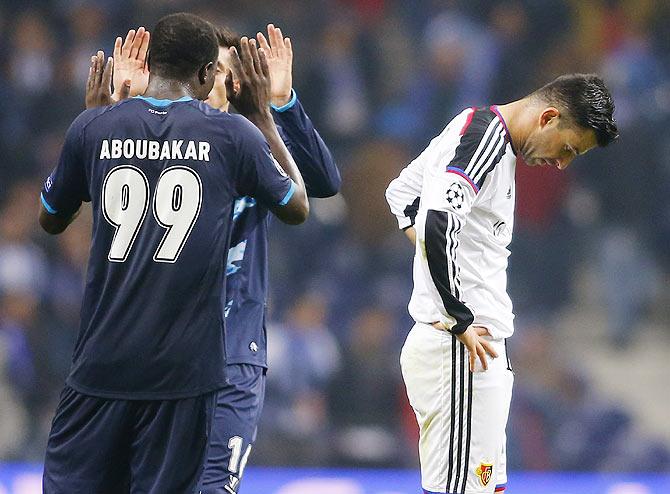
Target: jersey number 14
(176,206)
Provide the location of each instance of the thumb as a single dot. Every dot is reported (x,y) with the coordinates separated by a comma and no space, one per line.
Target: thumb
(125,90)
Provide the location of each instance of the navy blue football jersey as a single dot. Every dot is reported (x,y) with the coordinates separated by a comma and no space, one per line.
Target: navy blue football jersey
(162,177)
(247,267)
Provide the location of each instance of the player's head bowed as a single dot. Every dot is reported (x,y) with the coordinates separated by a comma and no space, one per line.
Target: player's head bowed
(587,102)
(184,48)
(563,119)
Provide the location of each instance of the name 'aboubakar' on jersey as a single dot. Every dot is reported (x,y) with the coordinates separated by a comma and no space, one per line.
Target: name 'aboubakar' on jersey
(154,150)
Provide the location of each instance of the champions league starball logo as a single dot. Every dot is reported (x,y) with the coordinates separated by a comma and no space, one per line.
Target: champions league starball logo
(455,195)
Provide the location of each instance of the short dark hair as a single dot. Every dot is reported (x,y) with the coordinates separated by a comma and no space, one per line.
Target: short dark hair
(227,38)
(181,44)
(588,102)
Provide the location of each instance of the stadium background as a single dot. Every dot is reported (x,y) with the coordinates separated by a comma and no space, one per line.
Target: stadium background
(590,263)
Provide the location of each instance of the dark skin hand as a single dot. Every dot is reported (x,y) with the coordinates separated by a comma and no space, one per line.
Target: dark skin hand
(252,99)
(99,83)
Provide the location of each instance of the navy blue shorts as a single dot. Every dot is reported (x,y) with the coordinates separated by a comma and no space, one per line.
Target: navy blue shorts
(101,446)
(238,410)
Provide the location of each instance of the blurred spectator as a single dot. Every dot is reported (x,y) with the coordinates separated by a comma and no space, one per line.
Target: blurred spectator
(363,397)
(303,357)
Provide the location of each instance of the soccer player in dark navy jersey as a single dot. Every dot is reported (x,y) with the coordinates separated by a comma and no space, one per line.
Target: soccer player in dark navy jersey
(162,172)
(240,402)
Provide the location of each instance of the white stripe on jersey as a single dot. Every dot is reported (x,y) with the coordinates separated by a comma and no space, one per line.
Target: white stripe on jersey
(476,156)
(499,143)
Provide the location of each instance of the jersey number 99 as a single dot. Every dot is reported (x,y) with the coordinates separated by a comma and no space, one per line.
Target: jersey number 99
(176,206)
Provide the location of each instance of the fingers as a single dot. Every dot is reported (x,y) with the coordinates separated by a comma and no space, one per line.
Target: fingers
(117,47)
(272,36)
(489,348)
(263,43)
(99,67)
(289,48)
(280,42)
(128,43)
(144,47)
(276,40)
(481,353)
(254,56)
(106,82)
(245,52)
(91,73)
(236,63)
(265,67)
(472,355)
(137,43)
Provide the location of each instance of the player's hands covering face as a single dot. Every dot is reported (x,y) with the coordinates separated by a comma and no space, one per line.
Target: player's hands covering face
(130,58)
(99,83)
(252,98)
(279,54)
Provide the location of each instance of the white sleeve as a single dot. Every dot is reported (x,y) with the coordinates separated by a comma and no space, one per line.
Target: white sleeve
(403,194)
(446,202)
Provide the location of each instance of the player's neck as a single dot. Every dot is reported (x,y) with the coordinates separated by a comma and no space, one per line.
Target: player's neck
(162,88)
(517,116)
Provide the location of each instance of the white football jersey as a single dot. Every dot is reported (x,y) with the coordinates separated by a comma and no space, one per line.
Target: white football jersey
(459,195)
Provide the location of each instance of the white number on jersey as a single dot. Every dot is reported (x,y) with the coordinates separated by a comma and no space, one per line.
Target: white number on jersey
(176,206)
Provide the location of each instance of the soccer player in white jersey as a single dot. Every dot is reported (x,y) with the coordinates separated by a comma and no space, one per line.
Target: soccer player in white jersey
(456,202)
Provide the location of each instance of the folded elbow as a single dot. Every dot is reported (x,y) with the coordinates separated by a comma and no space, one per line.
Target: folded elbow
(51,228)
(50,224)
(389,193)
(331,188)
(300,215)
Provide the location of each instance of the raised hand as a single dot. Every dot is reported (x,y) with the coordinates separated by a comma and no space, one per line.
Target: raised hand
(130,58)
(279,54)
(99,83)
(252,98)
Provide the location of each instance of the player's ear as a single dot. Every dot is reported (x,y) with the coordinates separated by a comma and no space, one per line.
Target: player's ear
(549,115)
(206,73)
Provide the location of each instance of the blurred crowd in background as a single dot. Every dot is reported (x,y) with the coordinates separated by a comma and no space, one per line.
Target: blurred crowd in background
(379,78)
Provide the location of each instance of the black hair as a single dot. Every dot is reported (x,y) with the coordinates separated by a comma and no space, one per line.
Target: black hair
(227,38)
(587,101)
(181,44)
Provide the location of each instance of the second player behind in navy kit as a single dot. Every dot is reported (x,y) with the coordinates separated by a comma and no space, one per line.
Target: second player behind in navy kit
(162,172)
(240,403)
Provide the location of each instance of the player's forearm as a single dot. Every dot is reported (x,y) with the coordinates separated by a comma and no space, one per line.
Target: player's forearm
(314,159)
(439,238)
(410,233)
(280,151)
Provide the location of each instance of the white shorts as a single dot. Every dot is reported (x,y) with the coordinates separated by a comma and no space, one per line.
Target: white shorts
(461,415)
